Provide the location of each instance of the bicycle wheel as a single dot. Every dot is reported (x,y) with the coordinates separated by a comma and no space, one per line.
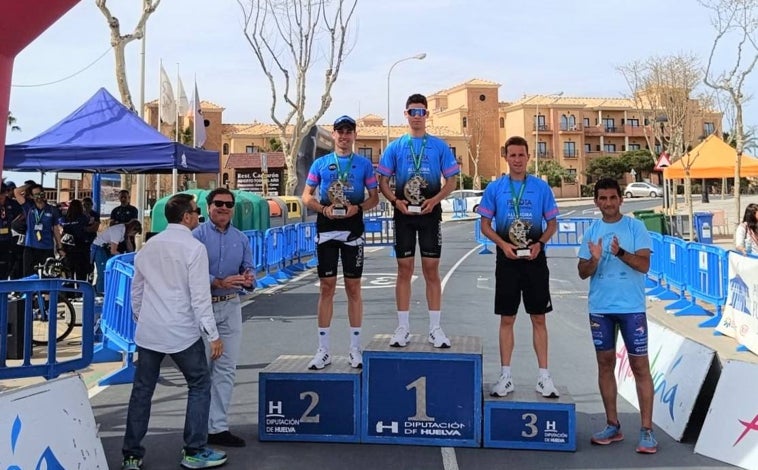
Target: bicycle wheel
(64,317)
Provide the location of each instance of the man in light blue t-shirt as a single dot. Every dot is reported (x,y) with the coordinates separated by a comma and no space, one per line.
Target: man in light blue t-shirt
(615,255)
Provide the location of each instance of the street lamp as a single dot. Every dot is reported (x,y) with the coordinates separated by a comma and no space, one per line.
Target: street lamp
(416,57)
(537,132)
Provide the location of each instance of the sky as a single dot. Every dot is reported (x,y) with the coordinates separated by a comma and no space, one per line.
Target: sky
(527,47)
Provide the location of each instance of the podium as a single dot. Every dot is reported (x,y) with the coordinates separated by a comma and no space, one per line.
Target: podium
(421,395)
(297,404)
(526,420)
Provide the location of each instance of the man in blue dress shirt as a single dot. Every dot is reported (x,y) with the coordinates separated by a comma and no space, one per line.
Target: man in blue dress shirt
(230,260)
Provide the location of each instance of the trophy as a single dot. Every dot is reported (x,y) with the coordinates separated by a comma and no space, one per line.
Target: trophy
(412,192)
(517,233)
(337,198)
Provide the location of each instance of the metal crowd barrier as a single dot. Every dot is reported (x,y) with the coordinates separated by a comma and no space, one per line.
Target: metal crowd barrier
(255,237)
(53,366)
(273,258)
(306,244)
(459,208)
(569,234)
(379,231)
(698,272)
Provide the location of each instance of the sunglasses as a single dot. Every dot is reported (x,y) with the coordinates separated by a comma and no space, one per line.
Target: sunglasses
(196,210)
(37,195)
(417,112)
(227,204)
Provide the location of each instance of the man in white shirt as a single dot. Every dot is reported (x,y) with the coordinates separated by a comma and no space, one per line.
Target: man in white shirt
(171,303)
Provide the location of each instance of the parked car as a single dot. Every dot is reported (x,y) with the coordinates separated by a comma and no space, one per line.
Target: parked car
(472,196)
(643,190)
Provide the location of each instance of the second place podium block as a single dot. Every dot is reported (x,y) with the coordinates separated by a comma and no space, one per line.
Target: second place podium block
(297,404)
(420,395)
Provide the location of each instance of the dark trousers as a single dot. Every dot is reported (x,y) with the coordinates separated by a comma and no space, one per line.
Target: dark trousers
(193,364)
(35,256)
(6,259)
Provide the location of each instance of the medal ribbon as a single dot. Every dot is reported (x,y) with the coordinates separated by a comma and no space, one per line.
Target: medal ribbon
(416,158)
(516,199)
(343,174)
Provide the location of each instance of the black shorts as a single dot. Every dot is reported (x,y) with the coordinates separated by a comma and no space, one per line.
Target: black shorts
(429,230)
(516,277)
(329,254)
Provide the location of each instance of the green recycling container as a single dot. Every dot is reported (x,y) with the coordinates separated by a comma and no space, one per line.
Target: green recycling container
(654,222)
(638,214)
(257,217)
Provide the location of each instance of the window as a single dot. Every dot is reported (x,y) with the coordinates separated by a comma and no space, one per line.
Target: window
(708,128)
(452,149)
(633,122)
(587,148)
(251,149)
(465,122)
(657,149)
(571,174)
(609,124)
(542,149)
(541,123)
(367,152)
(569,149)
(502,123)
(634,147)
(609,147)
(226,149)
(572,122)
(564,122)
(482,97)
(586,122)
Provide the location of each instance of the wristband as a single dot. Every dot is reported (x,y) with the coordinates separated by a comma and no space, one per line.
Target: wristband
(542,244)
(620,253)
(393,202)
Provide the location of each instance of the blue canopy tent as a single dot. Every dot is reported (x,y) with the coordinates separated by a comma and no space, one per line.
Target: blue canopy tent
(103,136)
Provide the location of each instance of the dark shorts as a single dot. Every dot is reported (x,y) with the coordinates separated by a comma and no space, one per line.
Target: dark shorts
(516,277)
(633,328)
(329,253)
(427,229)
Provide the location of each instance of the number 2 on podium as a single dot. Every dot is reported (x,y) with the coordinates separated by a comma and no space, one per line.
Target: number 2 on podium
(420,386)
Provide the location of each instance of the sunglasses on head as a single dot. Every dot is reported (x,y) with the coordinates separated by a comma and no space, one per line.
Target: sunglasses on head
(416,112)
(227,204)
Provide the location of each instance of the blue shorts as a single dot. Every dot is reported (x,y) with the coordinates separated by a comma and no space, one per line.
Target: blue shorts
(633,328)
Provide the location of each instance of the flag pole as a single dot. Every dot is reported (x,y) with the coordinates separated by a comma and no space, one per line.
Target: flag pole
(177,102)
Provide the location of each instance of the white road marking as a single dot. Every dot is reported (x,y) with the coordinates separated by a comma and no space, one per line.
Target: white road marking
(449,462)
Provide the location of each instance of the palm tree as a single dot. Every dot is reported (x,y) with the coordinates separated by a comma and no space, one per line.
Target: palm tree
(12,122)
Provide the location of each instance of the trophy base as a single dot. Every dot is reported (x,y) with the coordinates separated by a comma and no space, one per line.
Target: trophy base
(339,211)
(523,252)
(414,209)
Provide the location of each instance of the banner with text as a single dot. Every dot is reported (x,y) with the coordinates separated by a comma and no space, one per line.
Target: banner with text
(740,317)
(730,430)
(253,179)
(678,366)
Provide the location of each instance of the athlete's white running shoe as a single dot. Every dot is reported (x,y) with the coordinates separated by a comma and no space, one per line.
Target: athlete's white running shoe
(503,387)
(321,359)
(546,387)
(438,339)
(355,356)
(400,338)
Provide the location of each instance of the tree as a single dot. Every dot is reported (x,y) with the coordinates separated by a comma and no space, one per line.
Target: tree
(274,145)
(606,167)
(735,23)
(473,134)
(12,122)
(641,161)
(663,89)
(119,42)
(287,39)
(553,171)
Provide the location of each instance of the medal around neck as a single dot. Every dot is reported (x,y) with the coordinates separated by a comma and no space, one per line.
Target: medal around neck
(517,233)
(337,198)
(412,192)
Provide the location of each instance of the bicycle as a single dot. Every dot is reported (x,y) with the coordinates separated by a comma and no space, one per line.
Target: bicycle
(65,314)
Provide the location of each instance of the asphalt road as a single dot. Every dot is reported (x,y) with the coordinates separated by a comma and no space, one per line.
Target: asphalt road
(283,322)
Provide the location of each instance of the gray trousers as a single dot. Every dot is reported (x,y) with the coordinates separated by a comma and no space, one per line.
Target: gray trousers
(224,369)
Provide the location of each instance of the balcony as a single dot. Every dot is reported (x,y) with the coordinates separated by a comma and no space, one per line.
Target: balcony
(593,131)
(613,130)
(571,129)
(634,131)
(570,154)
(544,153)
(541,128)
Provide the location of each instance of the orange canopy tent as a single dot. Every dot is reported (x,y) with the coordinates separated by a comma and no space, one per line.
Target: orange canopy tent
(712,158)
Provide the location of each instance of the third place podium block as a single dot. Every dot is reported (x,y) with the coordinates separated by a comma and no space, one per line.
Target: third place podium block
(297,404)
(420,395)
(526,420)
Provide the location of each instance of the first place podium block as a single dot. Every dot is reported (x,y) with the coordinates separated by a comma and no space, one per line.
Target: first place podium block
(297,404)
(420,395)
(526,420)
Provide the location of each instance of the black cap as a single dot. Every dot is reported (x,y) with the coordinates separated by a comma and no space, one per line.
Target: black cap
(344,122)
